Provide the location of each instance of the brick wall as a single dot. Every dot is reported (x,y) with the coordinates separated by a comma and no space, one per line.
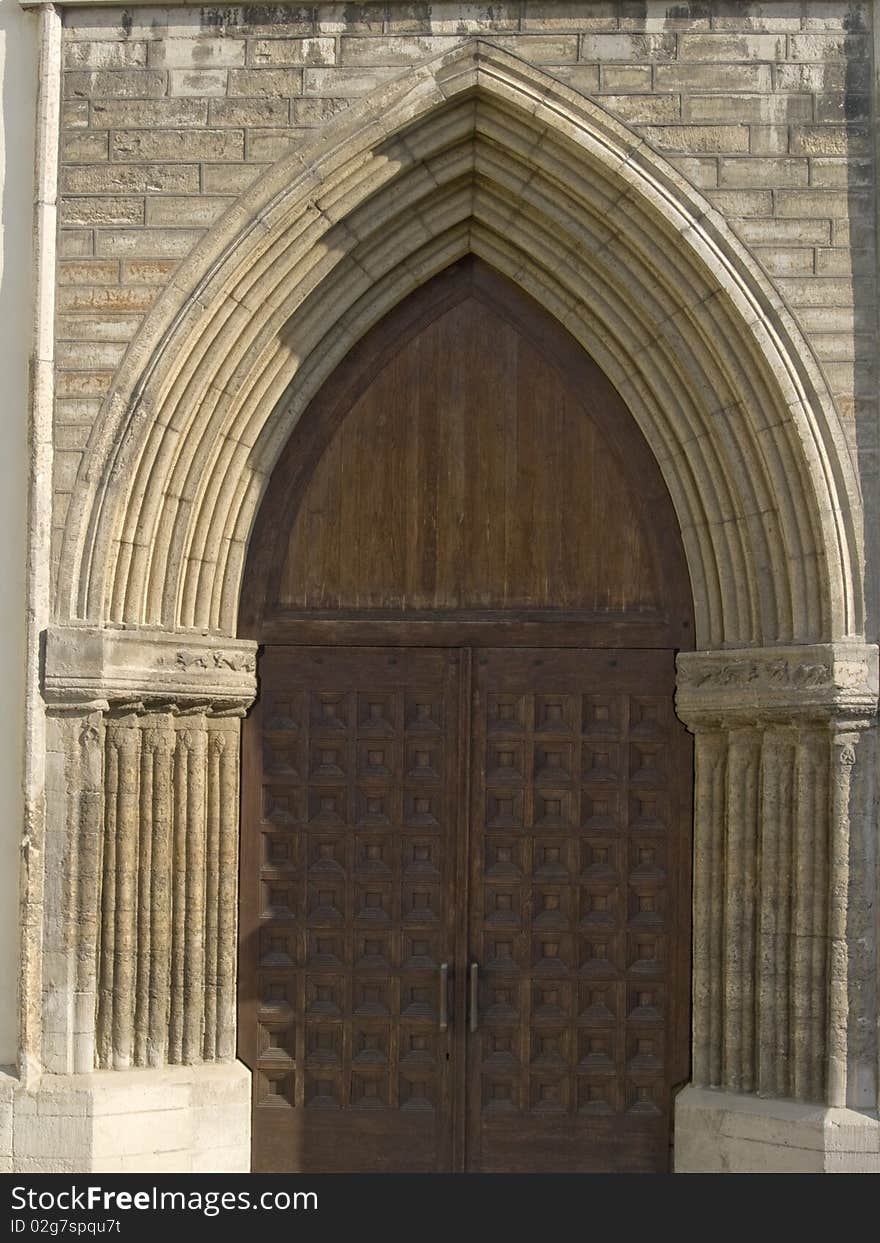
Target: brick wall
(169,113)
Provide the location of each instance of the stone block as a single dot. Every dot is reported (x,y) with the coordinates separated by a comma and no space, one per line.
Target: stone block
(84,147)
(841,173)
(778,15)
(291,52)
(346,83)
(342,18)
(177,144)
(267,145)
(698,139)
(196,53)
(75,114)
(83,356)
(583,78)
(41,1138)
(88,272)
(247,112)
(317,111)
(842,45)
(95,327)
(104,54)
(198,82)
(731,47)
(115,84)
(768,139)
(626,77)
(264,83)
(786,260)
(101,210)
(105,298)
(714,77)
(541,49)
(232,178)
(149,113)
(760,171)
(627,47)
(637,109)
(812,203)
(131,179)
(146,243)
(830,140)
(843,107)
(147,271)
(742,202)
(596,16)
(188,212)
(701,171)
(822,291)
(756,109)
(75,243)
(82,384)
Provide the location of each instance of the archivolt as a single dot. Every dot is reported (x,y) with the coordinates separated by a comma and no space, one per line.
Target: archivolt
(473,152)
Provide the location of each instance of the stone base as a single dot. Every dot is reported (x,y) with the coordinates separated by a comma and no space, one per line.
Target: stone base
(719,1132)
(179,1120)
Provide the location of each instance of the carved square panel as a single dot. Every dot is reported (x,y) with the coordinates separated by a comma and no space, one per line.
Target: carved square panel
(551,1001)
(328,807)
(554,810)
(376,808)
(598,906)
(645,1097)
(423,760)
(327,855)
(329,713)
(550,907)
(371,998)
(325,997)
(548,1095)
(373,904)
(499,1047)
(423,712)
(649,717)
(282,805)
(644,1051)
(501,906)
(420,857)
(645,1003)
(599,954)
(280,852)
(277,1043)
(376,759)
(556,714)
(324,948)
(418,999)
(648,765)
(323,1090)
(281,758)
(597,1050)
(505,762)
(500,1095)
(598,1004)
(283,711)
(377,714)
(422,809)
(328,760)
(502,950)
(277,995)
(277,947)
(600,763)
(420,950)
(278,900)
(647,861)
(549,1048)
(370,1045)
(597,1094)
(648,811)
(552,952)
(646,953)
(600,860)
(646,906)
(553,763)
(421,903)
(504,858)
(373,951)
(274,1088)
(504,809)
(324,1045)
(505,714)
(600,810)
(326,900)
(551,860)
(374,855)
(418,1047)
(603,716)
(499,1000)
(418,1092)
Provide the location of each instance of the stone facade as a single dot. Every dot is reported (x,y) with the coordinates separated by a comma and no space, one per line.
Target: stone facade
(240,192)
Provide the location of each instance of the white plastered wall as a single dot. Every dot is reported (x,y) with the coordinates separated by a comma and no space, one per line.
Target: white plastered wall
(18,81)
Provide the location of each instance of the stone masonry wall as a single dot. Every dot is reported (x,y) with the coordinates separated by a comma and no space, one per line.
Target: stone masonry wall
(168,114)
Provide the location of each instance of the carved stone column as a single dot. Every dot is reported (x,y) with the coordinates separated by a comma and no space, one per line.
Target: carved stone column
(783,955)
(140,917)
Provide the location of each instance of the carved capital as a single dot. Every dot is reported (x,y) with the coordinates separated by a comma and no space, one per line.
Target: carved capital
(156,667)
(819,682)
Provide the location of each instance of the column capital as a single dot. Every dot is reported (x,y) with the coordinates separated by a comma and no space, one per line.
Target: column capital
(820,682)
(125,665)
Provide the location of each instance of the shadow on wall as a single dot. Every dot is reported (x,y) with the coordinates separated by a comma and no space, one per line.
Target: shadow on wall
(18,79)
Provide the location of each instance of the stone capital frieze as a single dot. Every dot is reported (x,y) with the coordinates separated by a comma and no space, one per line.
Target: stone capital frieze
(818,681)
(138,665)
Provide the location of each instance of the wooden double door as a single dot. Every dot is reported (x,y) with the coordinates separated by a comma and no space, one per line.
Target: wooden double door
(465,909)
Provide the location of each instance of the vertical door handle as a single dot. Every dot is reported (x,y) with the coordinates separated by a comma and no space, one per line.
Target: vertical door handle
(475,997)
(444,996)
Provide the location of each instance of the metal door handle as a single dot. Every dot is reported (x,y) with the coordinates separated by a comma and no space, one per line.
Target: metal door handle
(444,996)
(475,997)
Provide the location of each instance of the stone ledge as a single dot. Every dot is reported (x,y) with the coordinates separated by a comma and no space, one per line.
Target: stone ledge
(718,1132)
(817,681)
(105,665)
(173,1120)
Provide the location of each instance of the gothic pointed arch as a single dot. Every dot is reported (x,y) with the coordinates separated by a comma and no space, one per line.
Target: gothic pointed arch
(472,152)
